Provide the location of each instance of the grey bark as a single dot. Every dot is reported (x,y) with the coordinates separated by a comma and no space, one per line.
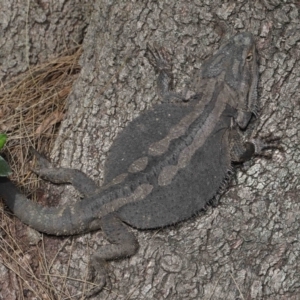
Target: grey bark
(35,31)
(248,246)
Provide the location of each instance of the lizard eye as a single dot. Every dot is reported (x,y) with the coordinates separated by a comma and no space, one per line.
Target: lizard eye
(249,57)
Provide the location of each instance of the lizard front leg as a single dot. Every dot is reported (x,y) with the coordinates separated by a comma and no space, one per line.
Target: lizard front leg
(242,151)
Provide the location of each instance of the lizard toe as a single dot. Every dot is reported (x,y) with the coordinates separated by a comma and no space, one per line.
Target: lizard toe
(97,276)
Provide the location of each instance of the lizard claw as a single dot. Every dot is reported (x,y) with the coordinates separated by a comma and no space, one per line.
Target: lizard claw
(266,143)
(159,57)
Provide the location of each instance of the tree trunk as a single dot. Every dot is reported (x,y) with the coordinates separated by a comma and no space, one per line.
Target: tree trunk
(34,31)
(245,248)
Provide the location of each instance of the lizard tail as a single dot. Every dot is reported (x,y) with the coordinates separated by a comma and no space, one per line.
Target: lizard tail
(50,220)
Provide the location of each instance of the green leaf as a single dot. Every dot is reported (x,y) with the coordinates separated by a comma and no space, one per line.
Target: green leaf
(4,167)
(3,138)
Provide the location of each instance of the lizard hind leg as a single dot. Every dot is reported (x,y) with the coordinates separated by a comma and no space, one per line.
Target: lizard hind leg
(123,244)
(81,182)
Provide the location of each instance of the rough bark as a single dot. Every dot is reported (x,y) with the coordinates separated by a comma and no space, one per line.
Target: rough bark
(34,31)
(248,246)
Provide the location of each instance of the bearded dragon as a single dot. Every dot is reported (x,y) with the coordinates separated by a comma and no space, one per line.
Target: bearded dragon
(166,166)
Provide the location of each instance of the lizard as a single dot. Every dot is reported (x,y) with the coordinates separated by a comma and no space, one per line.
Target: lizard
(166,165)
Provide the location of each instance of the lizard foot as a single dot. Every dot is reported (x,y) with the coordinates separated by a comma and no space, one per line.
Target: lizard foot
(97,275)
(159,58)
(42,161)
(45,169)
(264,143)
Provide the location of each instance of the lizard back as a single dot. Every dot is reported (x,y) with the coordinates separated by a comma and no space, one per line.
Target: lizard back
(183,176)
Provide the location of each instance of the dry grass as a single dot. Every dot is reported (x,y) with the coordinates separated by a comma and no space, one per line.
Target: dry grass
(31,109)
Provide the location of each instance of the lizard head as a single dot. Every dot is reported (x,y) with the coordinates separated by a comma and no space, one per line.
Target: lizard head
(236,64)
